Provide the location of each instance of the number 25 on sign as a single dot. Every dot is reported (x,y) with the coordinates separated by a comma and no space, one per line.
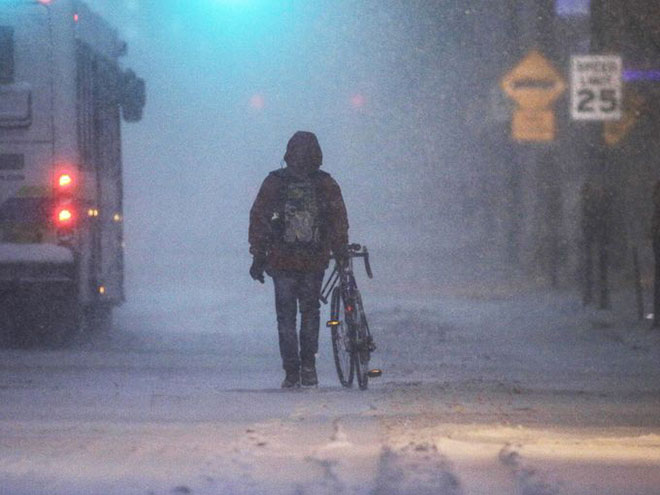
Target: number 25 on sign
(596,87)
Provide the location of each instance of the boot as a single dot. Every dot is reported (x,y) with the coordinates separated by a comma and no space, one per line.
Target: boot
(308,376)
(292,379)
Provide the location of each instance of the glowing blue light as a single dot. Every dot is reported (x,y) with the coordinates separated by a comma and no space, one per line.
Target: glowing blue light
(572,7)
(234,20)
(641,75)
(233,2)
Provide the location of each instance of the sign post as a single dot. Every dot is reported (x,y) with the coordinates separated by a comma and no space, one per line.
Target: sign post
(597,95)
(535,84)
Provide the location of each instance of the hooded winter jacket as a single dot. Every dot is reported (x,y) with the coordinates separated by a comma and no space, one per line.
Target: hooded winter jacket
(303,158)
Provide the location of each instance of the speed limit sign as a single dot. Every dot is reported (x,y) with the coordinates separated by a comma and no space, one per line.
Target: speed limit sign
(596,87)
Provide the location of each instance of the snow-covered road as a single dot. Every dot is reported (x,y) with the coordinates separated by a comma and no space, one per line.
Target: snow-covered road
(529,395)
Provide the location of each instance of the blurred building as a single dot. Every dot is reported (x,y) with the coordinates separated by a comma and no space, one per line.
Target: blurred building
(522,200)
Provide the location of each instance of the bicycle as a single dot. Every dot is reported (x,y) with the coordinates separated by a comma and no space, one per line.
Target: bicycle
(352,343)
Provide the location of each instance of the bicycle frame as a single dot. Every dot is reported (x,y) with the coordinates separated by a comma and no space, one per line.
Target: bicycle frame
(350,333)
(344,274)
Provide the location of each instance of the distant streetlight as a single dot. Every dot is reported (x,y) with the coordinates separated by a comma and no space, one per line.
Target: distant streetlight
(358,100)
(257,102)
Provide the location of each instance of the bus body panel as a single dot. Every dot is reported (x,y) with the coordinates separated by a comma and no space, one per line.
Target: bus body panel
(61,96)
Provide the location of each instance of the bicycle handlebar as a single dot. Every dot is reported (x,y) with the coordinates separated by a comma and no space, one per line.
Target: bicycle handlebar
(358,251)
(367,265)
(354,251)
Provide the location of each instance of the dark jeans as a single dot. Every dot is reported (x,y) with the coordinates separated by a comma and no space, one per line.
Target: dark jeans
(295,290)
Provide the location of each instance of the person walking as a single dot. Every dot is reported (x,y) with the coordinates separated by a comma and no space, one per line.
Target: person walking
(297,221)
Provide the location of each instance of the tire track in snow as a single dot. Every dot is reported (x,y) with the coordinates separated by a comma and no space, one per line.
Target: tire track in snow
(410,462)
(417,468)
(324,446)
(529,480)
(347,459)
(327,460)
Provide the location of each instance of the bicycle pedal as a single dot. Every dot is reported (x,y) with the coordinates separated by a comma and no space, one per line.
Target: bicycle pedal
(375,373)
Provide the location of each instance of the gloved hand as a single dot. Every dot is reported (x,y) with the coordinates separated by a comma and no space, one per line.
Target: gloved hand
(341,255)
(257,268)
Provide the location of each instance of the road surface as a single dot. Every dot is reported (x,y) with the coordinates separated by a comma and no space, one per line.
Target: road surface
(486,390)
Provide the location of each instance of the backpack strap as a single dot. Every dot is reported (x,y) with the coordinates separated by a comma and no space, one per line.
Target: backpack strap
(283,173)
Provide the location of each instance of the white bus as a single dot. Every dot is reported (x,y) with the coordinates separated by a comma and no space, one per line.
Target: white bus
(63,94)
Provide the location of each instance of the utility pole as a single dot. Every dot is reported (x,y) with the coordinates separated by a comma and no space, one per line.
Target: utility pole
(596,171)
(535,175)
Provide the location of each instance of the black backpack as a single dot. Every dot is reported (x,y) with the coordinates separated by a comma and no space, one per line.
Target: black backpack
(298,219)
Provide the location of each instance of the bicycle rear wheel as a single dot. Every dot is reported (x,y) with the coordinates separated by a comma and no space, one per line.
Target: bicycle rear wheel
(341,341)
(363,343)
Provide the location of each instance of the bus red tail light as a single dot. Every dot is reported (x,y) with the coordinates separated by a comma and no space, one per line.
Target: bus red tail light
(65,183)
(64,216)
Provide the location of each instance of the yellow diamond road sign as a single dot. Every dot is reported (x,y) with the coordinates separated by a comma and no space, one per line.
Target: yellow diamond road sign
(533,125)
(534,84)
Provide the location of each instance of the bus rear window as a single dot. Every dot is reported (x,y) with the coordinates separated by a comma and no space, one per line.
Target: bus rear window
(6,55)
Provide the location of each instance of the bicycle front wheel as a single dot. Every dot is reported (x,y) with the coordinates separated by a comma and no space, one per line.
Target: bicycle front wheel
(342,347)
(363,343)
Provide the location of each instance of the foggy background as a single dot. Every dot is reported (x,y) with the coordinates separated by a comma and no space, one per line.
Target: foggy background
(229,81)
(404,97)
